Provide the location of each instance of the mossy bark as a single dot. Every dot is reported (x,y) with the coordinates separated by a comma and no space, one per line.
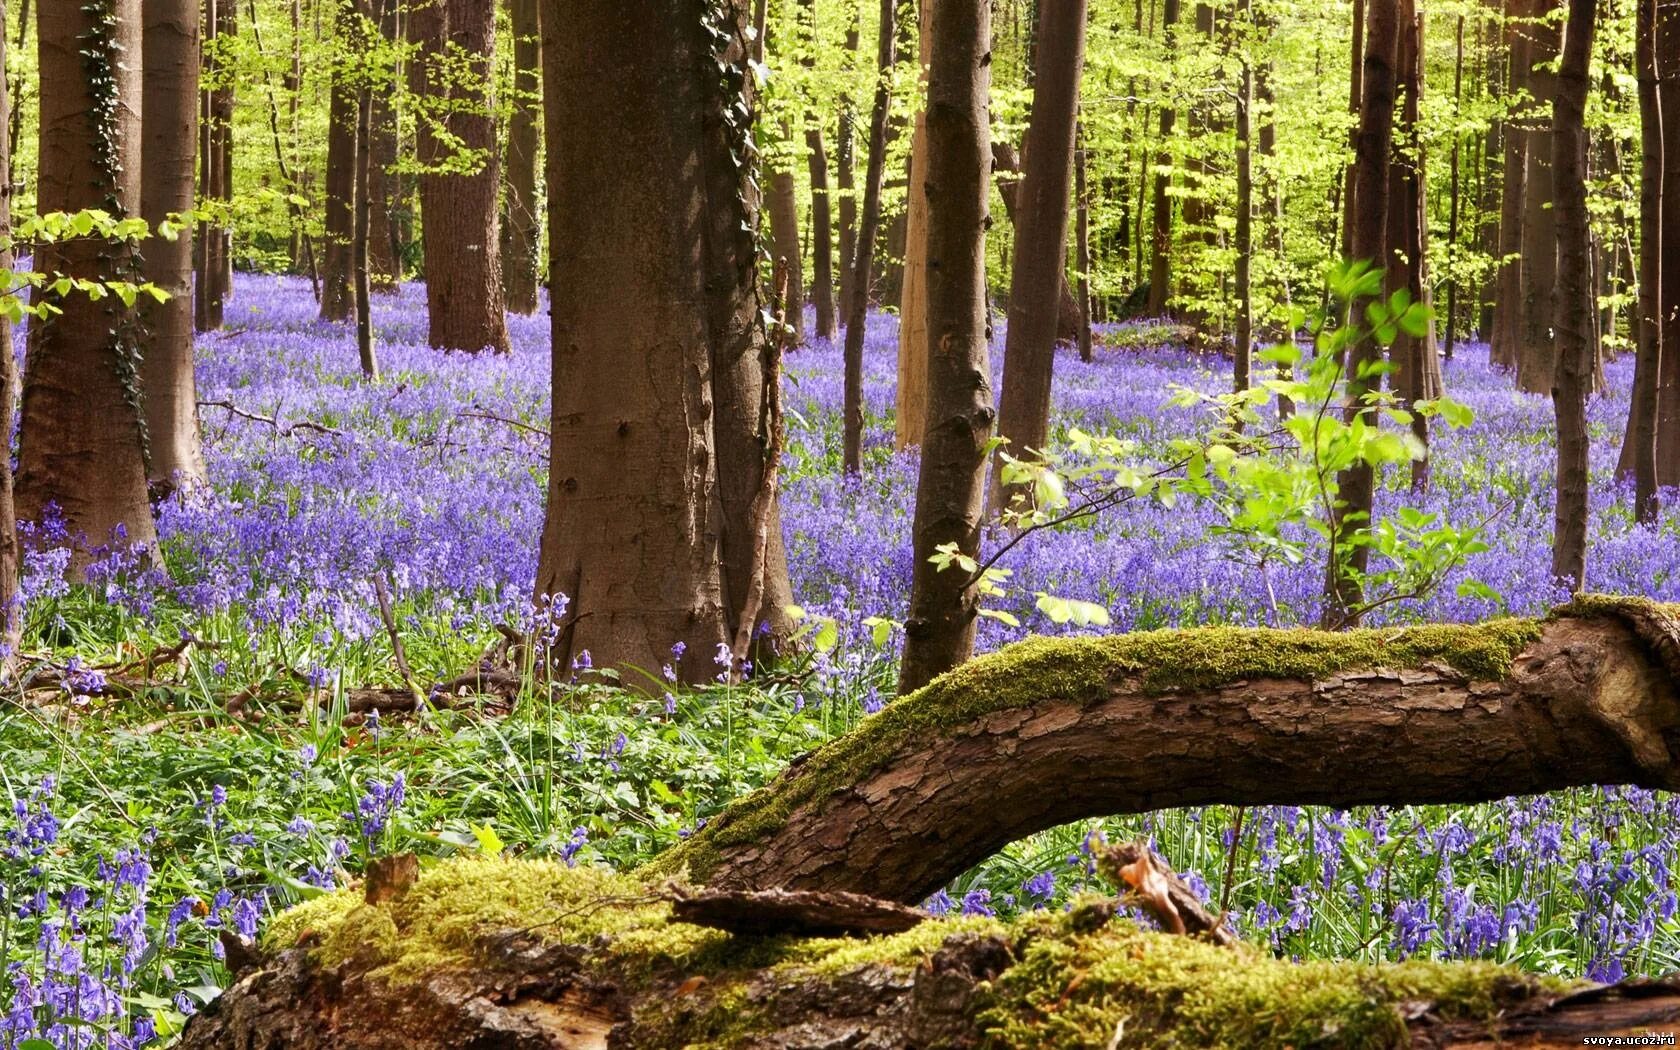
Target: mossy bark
(1051,731)
(535,956)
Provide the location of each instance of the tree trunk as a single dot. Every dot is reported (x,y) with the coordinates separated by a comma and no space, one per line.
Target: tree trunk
(1452,191)
(1160,250)
(1356,485)
(1356,98)
(519,240)
(567,959)
(658,377)
(338,294)
(1668,375)
(11,560)
(221,104)
(360,255)
(208,301)
(1537,353)
(912,391)
(1639,446)
(459,213)
(1575,303)
(939,633)
(168,138)
(1243,352)
(1041,221)
(1082,246)
(822,212)
(1419,377)
(385,264)
(868,230)
(1508,314)
(1236,716)
(784,236)
(845,164)
(82,444)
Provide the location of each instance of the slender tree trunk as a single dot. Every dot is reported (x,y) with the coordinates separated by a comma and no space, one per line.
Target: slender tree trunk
(1489,176)
(11,560)
(1356,97)
(822,213)
(658,374)
(1356,485)
(1668,372)
(385,268)
(1575,307)
(939,633)
(868,230)
(459,213)
(1160,250)
(1243,355)
(912,391)
(338,294)
(784,235)
(83,444)
(1508,316)
(1082,245)
(361,227)
(294,109)
(16,94)
(1041,220)
(1452,207)
(168,136)
(519,239)
(207,301)
(1639,448)
(845,164)
(1537,353)
(221,103)
(1419,376)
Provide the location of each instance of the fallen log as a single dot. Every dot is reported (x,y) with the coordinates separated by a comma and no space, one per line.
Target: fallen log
(534,956)
(1047,732)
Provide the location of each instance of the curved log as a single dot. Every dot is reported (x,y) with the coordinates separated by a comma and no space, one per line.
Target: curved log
(534,956)
(1051,731)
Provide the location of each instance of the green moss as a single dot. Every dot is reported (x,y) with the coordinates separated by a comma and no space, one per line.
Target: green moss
(1068,989)
(1073,991)
(1081,670)
(1615,606)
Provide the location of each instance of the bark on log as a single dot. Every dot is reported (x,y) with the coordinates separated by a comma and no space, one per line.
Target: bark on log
(534,956)
(1052,731)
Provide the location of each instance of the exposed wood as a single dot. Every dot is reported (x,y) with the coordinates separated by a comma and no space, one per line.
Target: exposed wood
(777,912)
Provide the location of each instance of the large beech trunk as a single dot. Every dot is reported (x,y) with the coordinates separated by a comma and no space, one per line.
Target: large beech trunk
(1506,335)
(657,450)
(1537,349)
(82,445)
(169,134)
(939,633)
(1040,734)
(459,234)
(1639,444)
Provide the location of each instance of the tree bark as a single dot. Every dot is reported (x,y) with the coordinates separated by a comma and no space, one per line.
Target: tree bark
(1207,716)
(1041,221)
(1575,304)
(912,392)
(869,226)
(1537,353)
(1419,376)
(845,164)
(658,377)
(1508,316)
(1356,96)
(1082,246)
(169,136)
(822,211)
(11,560)
(385,266)
(82,444)
(222,99)
(1356,485)
(1160,251)
(465,308)
(939,633)
(784,236)
(520,264)
(360,254)
(1639,446)
(1668,376)
(1243,353)
(208,291)
(338,294)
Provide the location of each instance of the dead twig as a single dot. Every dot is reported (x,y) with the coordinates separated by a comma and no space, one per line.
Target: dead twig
(282,429)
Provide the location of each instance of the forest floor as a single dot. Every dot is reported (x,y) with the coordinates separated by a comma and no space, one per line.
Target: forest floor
(147,817)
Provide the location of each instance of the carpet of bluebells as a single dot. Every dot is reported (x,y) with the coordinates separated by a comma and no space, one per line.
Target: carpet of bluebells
(143,826)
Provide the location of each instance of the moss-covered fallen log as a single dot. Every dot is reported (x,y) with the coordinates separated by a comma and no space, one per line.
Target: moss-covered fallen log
(1051,731)
(535,956)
